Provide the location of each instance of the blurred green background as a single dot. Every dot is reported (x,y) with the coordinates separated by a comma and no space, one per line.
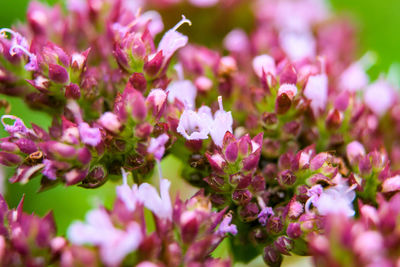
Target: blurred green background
(376,21)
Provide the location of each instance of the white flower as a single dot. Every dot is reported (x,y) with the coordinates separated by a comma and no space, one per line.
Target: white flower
(195,125)
(336,199)
(184,91)
(222,123)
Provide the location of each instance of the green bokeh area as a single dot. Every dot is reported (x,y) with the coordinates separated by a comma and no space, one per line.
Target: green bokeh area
(377,22)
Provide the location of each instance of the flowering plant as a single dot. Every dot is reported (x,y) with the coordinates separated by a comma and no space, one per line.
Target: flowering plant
(291,147)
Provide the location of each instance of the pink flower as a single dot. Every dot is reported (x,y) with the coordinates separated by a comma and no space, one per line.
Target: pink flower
(129,196)
(99,231)
(184,91)
(89,136)
(317,91)
(110,121)
(173,40)
(154,20)
(353,78)
(237,41)
(264,63)
(159,204)
(222,123)
(391,184)
(298,46)
(157,146)
(379,97)
(226,227)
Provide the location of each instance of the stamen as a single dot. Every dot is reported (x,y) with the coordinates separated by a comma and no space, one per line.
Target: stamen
(21,48)
(181,22)
(179,71)
(221,107)
(124,176)
(159,170)
(11,117)
(4,31)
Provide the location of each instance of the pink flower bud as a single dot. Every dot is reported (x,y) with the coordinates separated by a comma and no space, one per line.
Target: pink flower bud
(138,81)
(294,230)
(271,256)
(72,91)
(284,245)
(288,75)
(58,73)
(156,99)
(354,151)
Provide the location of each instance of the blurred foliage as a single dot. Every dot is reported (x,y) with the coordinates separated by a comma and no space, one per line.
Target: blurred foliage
(377,22)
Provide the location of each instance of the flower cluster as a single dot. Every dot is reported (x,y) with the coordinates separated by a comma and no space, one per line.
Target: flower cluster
(281,127)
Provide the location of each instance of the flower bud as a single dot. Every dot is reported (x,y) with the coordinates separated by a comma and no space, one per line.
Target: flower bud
(27,146)
(138,81)
(153,63)
(96,177)
(58,73)
(286,178)
(294,230)
(231,152)
(282,104)
(75,176)
(249,212)
(274,225)
(258,183)
(288,75)
(354,151)
(241,197)
(334,119)
(9,159)
(284,245)
(189,226)
(9,147)
(270,119)
(156,99)
(272,257)
(72,91)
